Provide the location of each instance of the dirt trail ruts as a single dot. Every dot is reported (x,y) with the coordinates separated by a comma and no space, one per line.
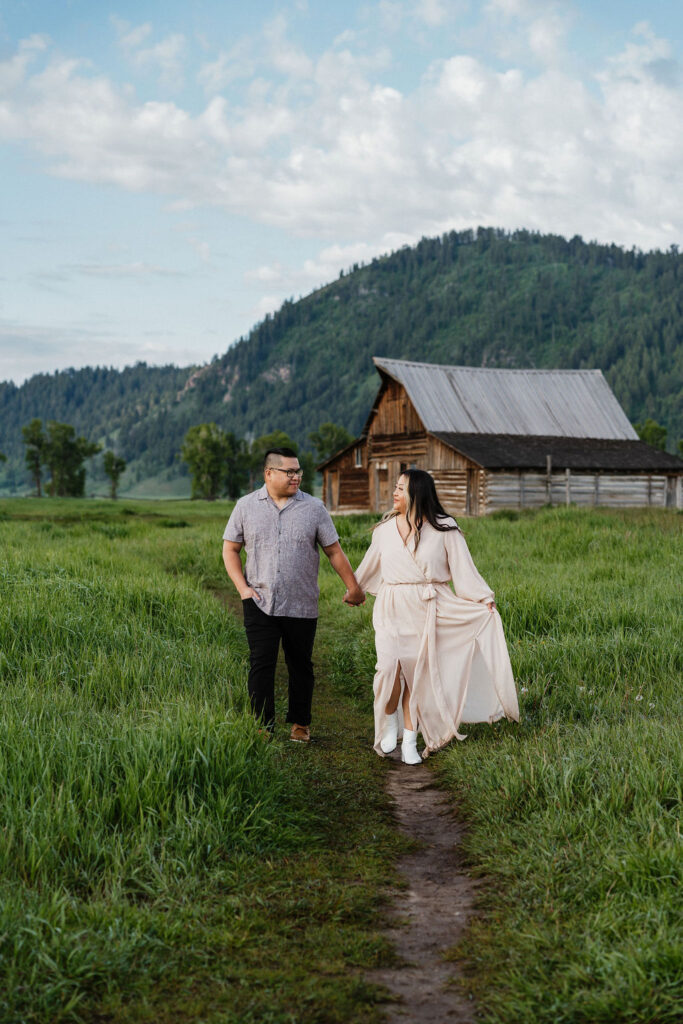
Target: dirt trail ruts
(430,915)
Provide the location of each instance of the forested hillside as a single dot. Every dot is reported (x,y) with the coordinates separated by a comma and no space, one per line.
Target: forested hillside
(101,403)
(484,298)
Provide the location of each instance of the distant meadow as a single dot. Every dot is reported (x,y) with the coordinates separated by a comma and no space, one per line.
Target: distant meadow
(142,817)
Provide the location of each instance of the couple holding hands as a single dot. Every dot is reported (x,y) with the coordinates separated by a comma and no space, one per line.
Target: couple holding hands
(442,660)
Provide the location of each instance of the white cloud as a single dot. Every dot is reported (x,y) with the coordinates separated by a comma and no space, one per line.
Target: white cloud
(166,58)
(267,274)
(266,304)
(284,55)
(530,28)
(136,269)
(13,71)
(392,14)
(130,37)
(325,267)
(432,12)
(229,66)
(335,154)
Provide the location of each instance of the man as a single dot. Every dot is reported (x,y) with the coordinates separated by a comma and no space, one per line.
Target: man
(280,527)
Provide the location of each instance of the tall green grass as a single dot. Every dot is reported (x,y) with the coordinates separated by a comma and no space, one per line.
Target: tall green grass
(574,814)
(130,769)
(147,833)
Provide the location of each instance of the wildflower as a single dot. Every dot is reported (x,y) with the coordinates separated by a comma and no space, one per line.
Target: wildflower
(524,689)
(581,689)
(639,697)
(651,705)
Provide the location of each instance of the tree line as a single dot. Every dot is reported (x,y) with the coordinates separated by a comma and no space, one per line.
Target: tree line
(219,463)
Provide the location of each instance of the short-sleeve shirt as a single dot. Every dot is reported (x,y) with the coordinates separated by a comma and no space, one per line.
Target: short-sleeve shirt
(282,549)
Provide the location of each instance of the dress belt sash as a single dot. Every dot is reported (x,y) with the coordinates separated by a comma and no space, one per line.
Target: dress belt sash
(428,591)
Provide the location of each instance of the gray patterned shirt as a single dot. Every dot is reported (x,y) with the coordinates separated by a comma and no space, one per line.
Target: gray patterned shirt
(282,553)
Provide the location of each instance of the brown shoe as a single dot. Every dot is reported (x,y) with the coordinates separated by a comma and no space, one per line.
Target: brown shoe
(300,734)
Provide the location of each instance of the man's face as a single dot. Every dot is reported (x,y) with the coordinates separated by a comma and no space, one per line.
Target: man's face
(279,484)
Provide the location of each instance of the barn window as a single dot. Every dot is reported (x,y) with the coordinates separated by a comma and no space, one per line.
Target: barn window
(359,458)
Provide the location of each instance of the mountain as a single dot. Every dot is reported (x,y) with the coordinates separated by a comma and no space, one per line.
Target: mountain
(478,298)
(103,404)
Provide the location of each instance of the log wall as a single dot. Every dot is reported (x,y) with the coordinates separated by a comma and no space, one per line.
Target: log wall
(524,489)
(345,485)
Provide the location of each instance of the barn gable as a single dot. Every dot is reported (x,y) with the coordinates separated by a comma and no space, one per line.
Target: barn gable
(476,400)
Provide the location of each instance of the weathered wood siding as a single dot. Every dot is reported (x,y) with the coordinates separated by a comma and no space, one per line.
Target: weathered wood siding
(345,484)
(462,491)
(395,413)
(523,489)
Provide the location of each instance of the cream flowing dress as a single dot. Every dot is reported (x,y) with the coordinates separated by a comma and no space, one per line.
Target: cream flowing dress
(448,647)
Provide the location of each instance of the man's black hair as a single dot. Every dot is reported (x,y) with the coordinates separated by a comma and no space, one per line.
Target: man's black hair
(286,453)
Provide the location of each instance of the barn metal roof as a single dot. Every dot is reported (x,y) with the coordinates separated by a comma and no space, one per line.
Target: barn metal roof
(476,400)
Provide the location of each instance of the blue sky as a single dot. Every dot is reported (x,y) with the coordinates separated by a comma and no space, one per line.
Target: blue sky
(171,172)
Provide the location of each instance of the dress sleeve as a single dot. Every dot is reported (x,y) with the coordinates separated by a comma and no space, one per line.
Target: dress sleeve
(466,578)
(369,572)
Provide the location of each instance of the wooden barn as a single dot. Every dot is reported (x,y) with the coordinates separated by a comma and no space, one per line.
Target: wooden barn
(500,439)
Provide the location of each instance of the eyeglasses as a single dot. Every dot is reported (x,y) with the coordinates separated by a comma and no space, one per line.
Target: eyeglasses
(291,473)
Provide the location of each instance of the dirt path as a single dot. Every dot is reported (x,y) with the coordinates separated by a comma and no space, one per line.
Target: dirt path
(429,916)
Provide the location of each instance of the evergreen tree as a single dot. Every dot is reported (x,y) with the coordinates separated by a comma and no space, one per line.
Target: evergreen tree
(307,463)
(237,470)
(114,465)
(35,441)
(328,439)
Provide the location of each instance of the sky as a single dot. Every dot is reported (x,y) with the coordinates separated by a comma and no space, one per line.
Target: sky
(171,172)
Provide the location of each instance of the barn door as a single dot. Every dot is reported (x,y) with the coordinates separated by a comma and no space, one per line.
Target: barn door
(671,492)
(383,487)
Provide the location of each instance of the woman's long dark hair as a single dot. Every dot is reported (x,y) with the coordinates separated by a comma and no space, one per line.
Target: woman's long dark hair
(422,504)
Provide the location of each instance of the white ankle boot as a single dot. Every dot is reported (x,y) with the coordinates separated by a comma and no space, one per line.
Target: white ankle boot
(409,754)
(390,735)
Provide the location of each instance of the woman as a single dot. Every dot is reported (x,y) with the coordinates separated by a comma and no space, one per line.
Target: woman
(440,656)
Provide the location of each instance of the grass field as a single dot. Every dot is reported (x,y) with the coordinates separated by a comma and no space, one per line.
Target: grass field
(575,813)
(160,862)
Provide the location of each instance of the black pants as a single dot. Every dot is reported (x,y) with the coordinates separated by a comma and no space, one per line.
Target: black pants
(264,633)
